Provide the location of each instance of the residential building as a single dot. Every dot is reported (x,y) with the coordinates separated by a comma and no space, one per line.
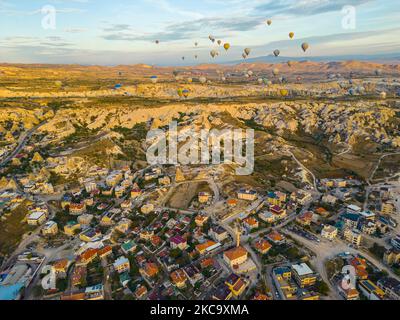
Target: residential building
(71,228)
(250,223)
(247,194)
(179,278)
(207,247)
(204,197)
(303,275)
(392,256)
(391,287)
(236,284)
(178,242)
(235,256)
(370,290)
(262,246)
(329,232)
(353,236)
(128,247)
(37,218)
(150,270)
(50,228)
(218,233)
(122,264)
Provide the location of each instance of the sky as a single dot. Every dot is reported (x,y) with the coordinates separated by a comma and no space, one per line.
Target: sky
(117,32)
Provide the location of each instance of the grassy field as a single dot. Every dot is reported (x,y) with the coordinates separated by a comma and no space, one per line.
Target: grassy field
(12,228)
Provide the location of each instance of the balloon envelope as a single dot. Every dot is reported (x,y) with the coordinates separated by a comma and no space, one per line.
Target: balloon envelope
(305,46)
(277,53)
(227,46)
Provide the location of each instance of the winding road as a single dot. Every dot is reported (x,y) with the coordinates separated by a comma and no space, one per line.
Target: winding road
(23,139)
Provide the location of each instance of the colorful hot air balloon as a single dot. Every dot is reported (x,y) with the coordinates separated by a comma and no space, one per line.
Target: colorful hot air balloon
(247,51)
(305,46)
(250,73)
(277,53)
(213,53)
(175,73)
(185,93)
(154,79)
(383,95)
(289,63)
(58,84)
(190,80)
(203,80)
(260,81)
(291,35)
(219,42)
(157,41)
(284,92)
(269,22)
(227,46)
(275,71)
(180,92)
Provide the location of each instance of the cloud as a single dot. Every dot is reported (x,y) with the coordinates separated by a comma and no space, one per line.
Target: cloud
(304,7)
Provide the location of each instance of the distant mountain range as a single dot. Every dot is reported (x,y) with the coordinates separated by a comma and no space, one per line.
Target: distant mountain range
(379,58)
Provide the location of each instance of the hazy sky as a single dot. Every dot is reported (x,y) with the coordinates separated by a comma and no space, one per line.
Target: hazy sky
(122,31)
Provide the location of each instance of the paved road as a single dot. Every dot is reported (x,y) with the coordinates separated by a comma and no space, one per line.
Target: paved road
(23,139)
(378,164)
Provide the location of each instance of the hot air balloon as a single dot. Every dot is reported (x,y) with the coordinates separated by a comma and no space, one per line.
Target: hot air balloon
(211,38)
(277,53)
(157,41)
(118,86)
(154,79)
(185,93)
(250,73)
(183,58)
(175,72)
(305,46)
(180,92)
(227,46)
(260,81)
(284,92)
(247,51)
(219,42)
(244,56)
(190,80)
(291,35)
(289,63)
(275,71)
(223,79)
(352,92)
(383,95)
(196,44)
(213,53)
(269,22)
(247,75)
(203,80)
(378,72)
(195,56)
(58,84)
